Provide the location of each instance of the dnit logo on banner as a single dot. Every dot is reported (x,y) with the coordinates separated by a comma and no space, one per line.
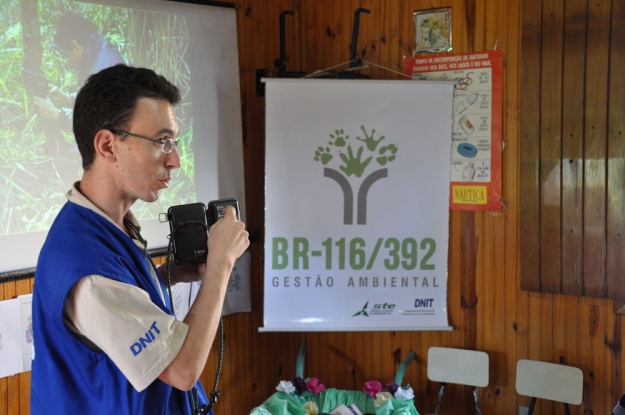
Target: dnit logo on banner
(422,307)
(423,302)
(354,164)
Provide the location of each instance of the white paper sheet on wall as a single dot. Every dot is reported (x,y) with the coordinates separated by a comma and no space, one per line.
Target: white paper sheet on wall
(26,330)
(184,294)
(10,343)
(238,296)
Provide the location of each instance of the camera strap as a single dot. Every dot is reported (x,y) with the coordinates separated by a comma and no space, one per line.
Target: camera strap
(193,393)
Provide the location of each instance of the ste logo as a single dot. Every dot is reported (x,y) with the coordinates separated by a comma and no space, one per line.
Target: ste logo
(354,161)
(385,309)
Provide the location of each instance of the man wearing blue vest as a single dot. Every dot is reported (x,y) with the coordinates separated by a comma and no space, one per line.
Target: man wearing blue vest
(106,340)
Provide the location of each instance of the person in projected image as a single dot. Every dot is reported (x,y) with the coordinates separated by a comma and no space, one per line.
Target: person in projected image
(87,52)
(106,340)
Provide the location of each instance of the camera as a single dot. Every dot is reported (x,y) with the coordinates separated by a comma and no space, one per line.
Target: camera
(189,225)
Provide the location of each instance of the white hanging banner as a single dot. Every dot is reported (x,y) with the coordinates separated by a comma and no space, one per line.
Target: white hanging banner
(357,205)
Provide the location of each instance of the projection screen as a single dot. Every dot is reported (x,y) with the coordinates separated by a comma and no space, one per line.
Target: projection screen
(194,46)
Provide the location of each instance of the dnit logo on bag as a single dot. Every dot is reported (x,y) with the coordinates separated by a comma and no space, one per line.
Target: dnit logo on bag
(354,164)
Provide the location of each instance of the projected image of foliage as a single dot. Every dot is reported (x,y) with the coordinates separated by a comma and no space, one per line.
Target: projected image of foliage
(39,159)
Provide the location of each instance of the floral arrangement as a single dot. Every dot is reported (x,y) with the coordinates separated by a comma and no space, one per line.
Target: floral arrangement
(374,389)
(301,387)
(311,386)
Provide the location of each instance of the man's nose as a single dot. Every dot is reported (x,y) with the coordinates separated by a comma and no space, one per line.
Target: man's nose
(173,159)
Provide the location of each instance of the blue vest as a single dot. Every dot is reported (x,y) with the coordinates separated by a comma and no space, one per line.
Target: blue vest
(67,376)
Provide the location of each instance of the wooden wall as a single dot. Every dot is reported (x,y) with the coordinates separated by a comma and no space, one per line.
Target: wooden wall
(487,308)
(15,390)
(572,170)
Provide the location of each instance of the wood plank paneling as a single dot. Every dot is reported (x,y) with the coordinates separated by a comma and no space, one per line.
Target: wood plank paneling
(616,156)
(515,302)
(574,64)
(530,144)
(550,146)
(595,148)
(487,307)
(12,382)
(4,391)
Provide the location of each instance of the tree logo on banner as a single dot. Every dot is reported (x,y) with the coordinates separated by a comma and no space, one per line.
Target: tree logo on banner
(355,165)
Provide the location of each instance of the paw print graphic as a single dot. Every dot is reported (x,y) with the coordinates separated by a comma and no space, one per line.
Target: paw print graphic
(338,138)
(323,155)
(387,154)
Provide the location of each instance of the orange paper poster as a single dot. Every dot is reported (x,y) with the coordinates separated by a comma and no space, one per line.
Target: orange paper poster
(477,123)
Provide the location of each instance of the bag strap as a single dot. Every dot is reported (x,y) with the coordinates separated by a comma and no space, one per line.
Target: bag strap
(299,366)
(401,370)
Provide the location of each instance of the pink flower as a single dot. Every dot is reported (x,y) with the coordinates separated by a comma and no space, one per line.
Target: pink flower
(314,386)
(372,387)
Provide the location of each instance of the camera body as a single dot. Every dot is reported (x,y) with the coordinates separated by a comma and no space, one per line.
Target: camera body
(217,209)
(189,226)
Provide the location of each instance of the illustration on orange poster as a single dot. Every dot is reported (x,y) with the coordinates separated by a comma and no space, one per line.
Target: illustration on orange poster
(477,123)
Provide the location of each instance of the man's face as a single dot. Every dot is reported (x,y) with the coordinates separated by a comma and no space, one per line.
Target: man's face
(143,170)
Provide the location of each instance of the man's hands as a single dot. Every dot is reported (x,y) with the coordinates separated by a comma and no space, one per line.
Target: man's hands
(228,240)
(181,273)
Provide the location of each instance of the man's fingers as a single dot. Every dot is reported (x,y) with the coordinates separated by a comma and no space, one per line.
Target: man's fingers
(231,211)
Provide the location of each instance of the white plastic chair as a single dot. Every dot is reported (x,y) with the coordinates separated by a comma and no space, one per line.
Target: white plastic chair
(459,366)
(551,381)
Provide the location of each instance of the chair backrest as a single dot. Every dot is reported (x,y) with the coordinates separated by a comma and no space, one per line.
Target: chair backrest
(551,381)
(460,366)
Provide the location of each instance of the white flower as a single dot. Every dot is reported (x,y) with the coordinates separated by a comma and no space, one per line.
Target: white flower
(404,394)
(285,386)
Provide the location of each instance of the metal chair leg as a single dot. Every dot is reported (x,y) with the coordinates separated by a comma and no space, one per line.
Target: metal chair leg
(477,404)
(440,398)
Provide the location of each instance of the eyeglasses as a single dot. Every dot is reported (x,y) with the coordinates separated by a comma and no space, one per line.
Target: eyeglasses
(167,144)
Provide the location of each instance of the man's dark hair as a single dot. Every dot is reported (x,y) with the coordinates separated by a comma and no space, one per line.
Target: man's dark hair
(108,101)
(73,26)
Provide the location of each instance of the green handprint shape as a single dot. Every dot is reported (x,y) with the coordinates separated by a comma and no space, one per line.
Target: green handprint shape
(323,155)
(339,138)
(369,140)
(353,165)
(387,158)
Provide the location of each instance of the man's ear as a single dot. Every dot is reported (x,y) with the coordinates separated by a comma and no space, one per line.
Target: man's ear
(103,142)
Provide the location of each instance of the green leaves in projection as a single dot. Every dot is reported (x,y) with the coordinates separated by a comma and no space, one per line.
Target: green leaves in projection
(354,159)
